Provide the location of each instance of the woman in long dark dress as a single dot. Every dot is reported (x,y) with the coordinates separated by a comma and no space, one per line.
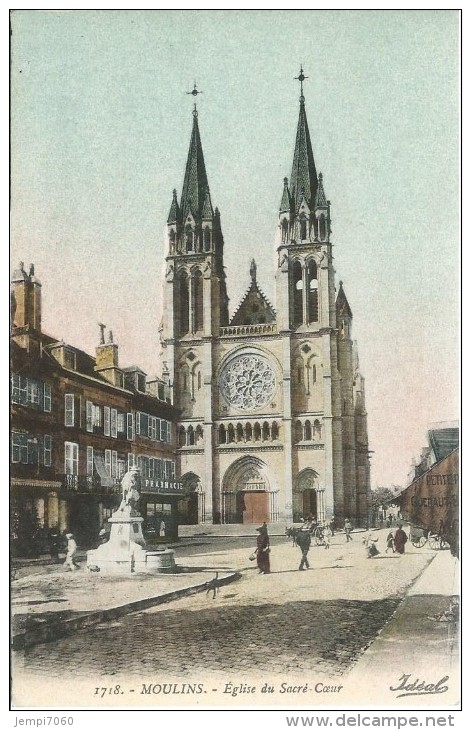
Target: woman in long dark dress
(263,550)
(400,539)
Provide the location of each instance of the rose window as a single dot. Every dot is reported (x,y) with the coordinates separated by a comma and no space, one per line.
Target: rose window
(248,382)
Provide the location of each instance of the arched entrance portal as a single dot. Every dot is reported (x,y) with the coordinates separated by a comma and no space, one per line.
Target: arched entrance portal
(308,497)
(248,496)
(192,508)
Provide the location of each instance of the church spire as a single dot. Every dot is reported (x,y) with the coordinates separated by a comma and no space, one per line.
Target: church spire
(195,182)
(303,173)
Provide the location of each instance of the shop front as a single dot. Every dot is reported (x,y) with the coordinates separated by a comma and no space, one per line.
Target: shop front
(160,506)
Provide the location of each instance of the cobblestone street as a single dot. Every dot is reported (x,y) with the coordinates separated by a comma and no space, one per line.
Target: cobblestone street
(317,621)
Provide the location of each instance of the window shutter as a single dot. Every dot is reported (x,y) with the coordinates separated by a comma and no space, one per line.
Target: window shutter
(106,418)
(114,464)
(114,423)
(108,461)
(89,413)
(138,422)
(130,426)
(47,398)
(89,461)
(69,409)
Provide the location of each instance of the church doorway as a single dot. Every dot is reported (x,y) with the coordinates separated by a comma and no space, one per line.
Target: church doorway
(247,494)
(310,504)
(253,507)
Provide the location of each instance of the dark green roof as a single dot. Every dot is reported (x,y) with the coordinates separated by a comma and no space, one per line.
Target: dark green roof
(303,173)
(195,182)
(443,441)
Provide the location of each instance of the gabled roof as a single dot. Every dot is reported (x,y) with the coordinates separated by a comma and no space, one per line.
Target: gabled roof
(444,440)
(254,307)
(303,172)
(195,181)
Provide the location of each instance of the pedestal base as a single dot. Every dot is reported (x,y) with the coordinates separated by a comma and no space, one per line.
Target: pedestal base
(126,551)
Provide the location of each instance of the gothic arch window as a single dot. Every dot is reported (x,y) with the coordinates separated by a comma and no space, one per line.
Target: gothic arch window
(317,429)
(257,432)
(239,432)
(172,240)
(198,300)
(184,304)
(298,432)
(181,436)
(199,379)
(284,230)
(322,227)
(303,227)
(275,431)
(307,431)
(207,239)
(191,436)
(297,294)
(222,434)
(265,432)
(248,432)
(312,373)
(313,292)
(189,238)
(199,434)
(230,434)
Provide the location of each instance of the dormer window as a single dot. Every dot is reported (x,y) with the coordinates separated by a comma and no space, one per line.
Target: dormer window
(141,382)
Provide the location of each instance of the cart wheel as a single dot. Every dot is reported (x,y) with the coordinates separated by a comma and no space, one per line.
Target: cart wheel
(434,541)
(419,542)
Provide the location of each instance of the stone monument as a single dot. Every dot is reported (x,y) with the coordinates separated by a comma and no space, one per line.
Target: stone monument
(126,552)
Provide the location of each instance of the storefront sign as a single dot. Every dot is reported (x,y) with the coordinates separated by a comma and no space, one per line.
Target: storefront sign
(158,486)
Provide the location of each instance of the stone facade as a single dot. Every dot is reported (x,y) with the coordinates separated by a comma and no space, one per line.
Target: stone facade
(272,422)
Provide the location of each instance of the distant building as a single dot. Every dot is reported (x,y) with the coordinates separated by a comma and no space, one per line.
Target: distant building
(443,438)
(273,421)
(77,424)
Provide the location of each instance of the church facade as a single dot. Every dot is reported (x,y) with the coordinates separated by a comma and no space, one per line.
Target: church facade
(272,424)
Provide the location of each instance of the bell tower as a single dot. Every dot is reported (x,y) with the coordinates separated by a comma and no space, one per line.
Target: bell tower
(306,312)
(195,308)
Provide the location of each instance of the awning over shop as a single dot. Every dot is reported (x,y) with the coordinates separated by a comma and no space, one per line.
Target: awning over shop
(432,500)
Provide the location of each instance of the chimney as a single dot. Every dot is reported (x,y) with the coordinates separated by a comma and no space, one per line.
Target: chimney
(106,359)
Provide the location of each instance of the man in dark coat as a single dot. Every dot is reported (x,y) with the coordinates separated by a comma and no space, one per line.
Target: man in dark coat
(303,540)
(400,539)
(263,550)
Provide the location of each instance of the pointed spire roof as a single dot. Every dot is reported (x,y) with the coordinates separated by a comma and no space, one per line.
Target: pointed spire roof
(342,302)
(321,200)
(303,173)
(285,200)
(207,212)
(195,181)
(174,209)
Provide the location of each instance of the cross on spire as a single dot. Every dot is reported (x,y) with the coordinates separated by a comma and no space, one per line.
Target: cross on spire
(194,92)
(301,78)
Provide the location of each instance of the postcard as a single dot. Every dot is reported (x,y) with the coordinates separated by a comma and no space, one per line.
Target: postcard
(235,395)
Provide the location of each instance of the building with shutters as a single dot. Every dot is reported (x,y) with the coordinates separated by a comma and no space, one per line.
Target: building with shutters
(273,422)
(77,424)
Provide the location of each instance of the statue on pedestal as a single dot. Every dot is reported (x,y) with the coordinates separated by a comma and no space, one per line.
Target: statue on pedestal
(129,485)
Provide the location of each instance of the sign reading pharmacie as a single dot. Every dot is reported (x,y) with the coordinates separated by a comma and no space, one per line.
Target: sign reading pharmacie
(432,501)
(160,486)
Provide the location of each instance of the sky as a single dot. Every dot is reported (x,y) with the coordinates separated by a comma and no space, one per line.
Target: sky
(100,128)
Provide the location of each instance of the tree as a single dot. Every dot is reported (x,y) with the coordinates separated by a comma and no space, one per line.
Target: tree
(382,497)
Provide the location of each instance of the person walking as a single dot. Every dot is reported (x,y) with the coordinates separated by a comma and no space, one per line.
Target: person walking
(303,539)
(348,529)
(400,539)
(71,552)
(263,550)
(390,542)
(327,533)
(370,544)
